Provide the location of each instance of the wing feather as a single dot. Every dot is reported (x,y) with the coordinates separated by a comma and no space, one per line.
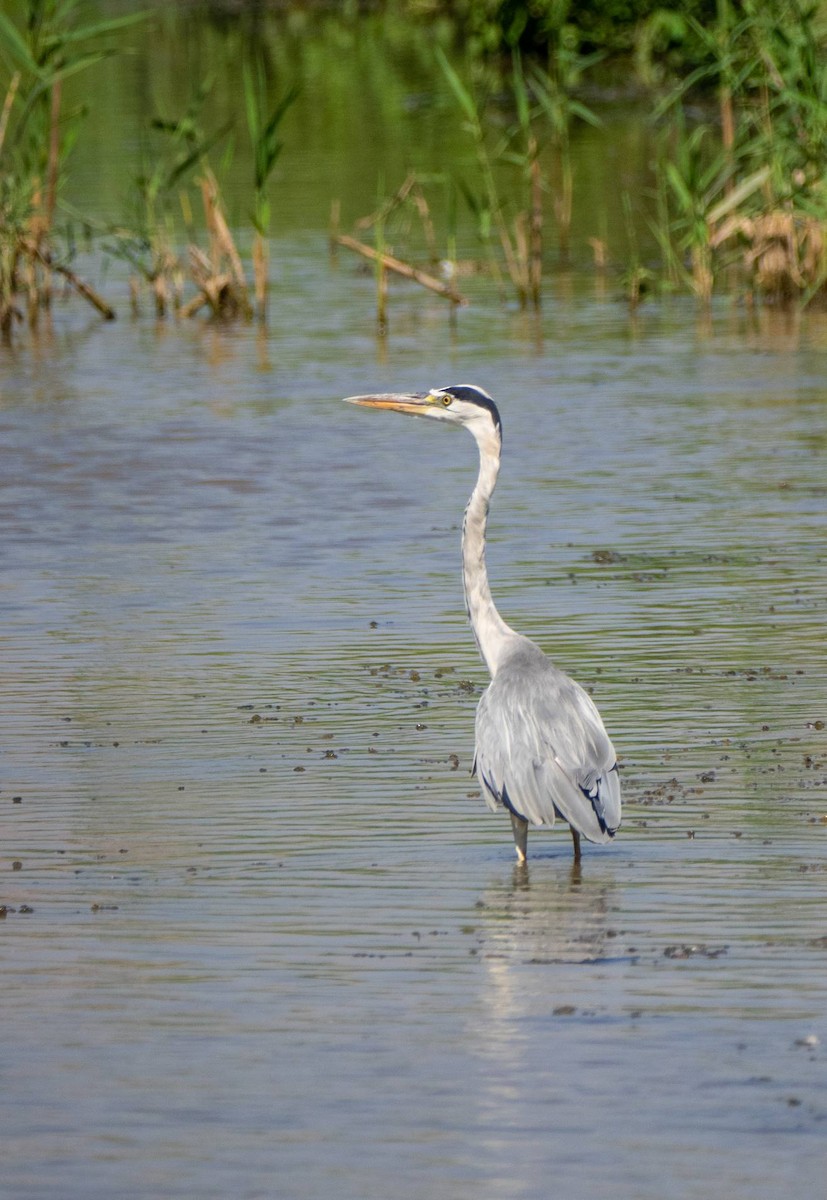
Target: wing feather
(542,750)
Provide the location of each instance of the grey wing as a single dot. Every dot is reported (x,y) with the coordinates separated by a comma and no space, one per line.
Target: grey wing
(542,750)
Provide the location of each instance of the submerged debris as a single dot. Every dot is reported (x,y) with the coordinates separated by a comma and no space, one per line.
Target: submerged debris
(687,951)
(809,1042)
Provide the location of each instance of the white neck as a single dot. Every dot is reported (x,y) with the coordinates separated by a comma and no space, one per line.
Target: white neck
(490,629)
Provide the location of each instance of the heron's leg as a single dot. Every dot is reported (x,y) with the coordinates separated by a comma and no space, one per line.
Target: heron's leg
(520,828)
(575,837)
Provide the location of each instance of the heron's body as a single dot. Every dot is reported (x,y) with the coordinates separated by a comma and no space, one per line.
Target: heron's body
(541,748)
(542,751)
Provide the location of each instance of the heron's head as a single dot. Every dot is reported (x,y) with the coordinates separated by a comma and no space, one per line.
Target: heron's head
(459,404)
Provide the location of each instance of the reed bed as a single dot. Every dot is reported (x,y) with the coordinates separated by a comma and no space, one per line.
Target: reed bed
(738,204)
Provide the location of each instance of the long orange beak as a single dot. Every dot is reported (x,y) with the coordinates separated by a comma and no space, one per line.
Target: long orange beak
(412,402)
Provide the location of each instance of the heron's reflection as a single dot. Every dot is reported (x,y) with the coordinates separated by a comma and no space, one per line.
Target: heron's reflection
(545,915)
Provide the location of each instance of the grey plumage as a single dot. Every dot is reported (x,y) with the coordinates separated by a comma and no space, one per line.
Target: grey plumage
(541,748)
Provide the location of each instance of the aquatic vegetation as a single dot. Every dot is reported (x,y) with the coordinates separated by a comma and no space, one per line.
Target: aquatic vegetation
(175,162)
(751,188)
(263,127)
(488,204)
(544,109)
(179,162)
(217,272)
(42,44)
(727,193)
(409,198)
(740,194)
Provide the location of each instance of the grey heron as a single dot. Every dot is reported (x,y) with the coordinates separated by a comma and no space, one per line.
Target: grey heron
(541,748)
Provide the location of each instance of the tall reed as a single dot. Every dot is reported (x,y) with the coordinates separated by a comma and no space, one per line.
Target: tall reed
(750,189)
(49,42)
(263,124)
(545,109)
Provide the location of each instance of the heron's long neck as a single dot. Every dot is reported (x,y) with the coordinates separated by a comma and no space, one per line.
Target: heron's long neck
(490,629)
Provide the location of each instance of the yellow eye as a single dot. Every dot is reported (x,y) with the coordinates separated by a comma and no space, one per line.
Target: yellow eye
(446,400)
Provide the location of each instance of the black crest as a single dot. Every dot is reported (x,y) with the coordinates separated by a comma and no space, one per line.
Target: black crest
(474,395)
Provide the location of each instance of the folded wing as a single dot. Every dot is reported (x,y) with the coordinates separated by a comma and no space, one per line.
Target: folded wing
(542,750)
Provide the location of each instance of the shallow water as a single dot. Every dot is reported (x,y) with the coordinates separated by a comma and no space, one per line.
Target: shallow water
(262,937)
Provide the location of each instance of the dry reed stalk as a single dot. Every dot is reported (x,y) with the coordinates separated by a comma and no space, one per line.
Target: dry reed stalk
(727,112)
(43,256)
(522,268)
(193,306)
(402,268)
(600,252)
(7,106)
(702,276)
(163,278)
(53,166)
(409,190)
(381,294)
(202,270)
(512,261)
(386,208)
(39,263)
(786,253)
(260,264)
(535,273)
(423,208)
(219,230)
(333,235)
(160,293)
(33,298)
(34,250)
(217,289)
(9,313)
(225,291)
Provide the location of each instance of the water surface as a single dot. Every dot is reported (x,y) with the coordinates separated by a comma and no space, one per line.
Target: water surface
(261,937)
